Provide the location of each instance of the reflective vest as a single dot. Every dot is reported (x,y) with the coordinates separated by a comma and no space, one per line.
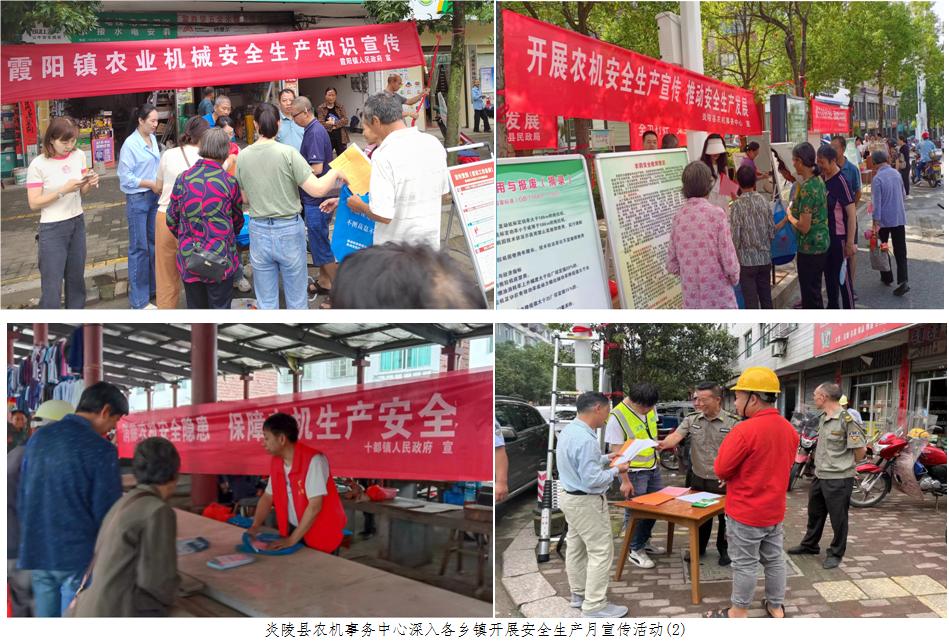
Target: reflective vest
(634,428)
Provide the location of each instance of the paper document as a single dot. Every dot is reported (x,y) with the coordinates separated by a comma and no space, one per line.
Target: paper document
(698,496)
(674,491)
(355,165)
(655,498)
(631,448)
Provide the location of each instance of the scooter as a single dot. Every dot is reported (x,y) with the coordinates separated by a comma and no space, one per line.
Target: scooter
(932,173)
(807,425)
(906,459)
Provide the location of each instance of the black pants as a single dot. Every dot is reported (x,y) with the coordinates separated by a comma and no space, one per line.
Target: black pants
(205,296)
(904,172)
(810,272)
(828,497)
(480,115)
(755,284)
(837,295)
(705,530)
(899,252)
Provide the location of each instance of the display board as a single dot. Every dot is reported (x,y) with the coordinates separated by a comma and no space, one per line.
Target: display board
(549,250)
(851,153)
(797,119)
(641,191)
(473,188)
(783,150)
(763,162)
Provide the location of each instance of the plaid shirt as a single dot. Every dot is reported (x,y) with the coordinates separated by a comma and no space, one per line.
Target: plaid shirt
(752,228)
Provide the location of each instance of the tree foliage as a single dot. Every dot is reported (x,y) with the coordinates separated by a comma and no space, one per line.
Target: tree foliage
(70,17)
(526,372)
(742,50)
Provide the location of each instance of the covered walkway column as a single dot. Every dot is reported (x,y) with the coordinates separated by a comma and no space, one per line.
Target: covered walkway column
(297,375)
(361,364)
(247,378)
(449,351)
(91,354)
(174,394)
(149,396)
(203,390)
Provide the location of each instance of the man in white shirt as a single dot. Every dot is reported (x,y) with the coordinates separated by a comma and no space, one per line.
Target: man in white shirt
(409,177)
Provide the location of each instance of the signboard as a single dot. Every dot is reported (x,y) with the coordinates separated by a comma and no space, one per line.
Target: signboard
(433,427)
(487,80)
(828,118)
(797,119)
(104,68)
(549,250)
(114,27)
(530,131)
(600,139)
(473,188)
(556,71)
(641,191)
(829,337)
(28,122)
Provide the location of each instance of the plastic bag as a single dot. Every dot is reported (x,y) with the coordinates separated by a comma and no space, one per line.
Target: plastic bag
(784,244)
(879,255)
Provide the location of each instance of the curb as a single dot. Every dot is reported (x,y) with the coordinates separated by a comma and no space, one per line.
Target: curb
(521,577)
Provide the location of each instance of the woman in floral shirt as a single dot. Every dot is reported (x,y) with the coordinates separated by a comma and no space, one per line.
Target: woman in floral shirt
(701,252)
(206,211)
(809,217)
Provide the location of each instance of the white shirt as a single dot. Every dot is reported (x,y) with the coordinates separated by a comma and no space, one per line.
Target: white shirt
(409,177)
(315,484)
(172,165)
(53,173)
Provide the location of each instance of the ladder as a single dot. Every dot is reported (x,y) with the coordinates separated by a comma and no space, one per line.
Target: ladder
(598,343)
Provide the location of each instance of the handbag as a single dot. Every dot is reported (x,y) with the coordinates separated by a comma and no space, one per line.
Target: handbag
(207,265)
(879,256)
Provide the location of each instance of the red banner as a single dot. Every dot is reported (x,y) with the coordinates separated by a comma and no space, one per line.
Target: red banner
(636,131)
(530,130)
(829,119)
(555,71)
(829,337)
(37,72)
(433,428)
(28,114)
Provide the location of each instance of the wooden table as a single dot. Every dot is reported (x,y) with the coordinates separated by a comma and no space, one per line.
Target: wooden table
(310,583)
(675,512)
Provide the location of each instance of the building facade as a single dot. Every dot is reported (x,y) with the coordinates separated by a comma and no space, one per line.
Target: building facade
(523,335)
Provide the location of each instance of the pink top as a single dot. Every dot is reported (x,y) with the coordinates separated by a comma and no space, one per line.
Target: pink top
(701,253)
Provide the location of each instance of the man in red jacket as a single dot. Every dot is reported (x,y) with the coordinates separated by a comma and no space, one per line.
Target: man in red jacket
(755,461)
(301,489)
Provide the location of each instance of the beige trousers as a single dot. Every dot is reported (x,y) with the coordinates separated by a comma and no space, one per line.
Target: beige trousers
(589,547)
(167,279)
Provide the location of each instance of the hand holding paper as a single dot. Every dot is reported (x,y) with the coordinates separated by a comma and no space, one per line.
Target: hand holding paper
(354,168)
(631,448)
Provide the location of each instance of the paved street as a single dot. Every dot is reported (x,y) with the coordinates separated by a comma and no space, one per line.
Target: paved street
(107,243)
(895,566)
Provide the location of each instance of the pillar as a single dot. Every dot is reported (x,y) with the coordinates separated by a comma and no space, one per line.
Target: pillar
(297,375)
(247,378)
(203,390)
(11,339)
(360,364)
(149,396)
(174,394)
(40,334)
(449,352)
(91,353)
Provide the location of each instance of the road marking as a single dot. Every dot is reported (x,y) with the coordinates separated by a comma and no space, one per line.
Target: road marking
(86,208)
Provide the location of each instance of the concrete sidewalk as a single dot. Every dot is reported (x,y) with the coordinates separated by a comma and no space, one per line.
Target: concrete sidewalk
(895,567)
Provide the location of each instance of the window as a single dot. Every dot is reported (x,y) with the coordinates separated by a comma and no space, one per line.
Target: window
(764,329)
(340,368)
(748,344)
(411,358)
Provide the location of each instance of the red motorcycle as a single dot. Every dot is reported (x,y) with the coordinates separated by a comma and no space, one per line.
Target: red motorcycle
(907,459)
(803,466)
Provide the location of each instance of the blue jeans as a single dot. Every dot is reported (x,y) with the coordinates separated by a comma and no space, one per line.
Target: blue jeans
(53,591)
(278,253)
(318,233)
(644,482)
(140,210)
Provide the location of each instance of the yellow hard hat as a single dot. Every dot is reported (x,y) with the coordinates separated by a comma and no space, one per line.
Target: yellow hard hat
(51,411)
(758,379)
(843,399)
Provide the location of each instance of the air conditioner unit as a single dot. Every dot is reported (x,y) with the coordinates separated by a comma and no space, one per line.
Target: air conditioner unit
(782,330)
(779,347)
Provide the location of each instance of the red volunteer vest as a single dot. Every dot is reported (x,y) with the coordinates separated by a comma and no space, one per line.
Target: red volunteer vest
(326,533)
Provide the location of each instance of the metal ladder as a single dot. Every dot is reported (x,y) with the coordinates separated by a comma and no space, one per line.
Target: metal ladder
(599,342)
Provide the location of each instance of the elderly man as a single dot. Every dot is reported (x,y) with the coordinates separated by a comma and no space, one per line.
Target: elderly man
(408,177)
(222,107)
(889,216)
(841,442)
(290,132)
(477,103)
(317,150)
(584,482)
(394,83)
(706,428)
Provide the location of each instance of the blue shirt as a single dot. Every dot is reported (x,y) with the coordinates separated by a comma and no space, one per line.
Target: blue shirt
(925,149)
(137,162)
(477,98)
(210,118)
(68,481)
(205,107)
(290,132)
(316,148)
(888,194)
(852,174)
(580,461)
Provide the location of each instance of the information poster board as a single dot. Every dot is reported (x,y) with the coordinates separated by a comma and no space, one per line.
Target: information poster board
(797,119)
(851,153)
(600,139)
(783,150)
(473,188)
(641,192)
(549,250)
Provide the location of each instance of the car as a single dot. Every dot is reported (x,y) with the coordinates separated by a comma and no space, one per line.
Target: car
(525,434)
(564,414)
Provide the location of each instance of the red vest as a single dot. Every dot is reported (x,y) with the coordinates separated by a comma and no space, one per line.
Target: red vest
(326,533)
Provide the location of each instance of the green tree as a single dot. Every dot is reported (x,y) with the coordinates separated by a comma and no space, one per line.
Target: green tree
(525,372)
(744,47)
(70,17)
(381,11)
(673,356)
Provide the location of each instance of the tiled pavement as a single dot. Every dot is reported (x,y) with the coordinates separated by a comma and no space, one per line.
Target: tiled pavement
(895,566)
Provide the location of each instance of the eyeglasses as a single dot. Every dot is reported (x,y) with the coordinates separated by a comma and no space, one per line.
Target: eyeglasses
(299,113)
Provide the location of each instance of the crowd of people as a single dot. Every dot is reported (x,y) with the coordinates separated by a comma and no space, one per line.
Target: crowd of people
(721,239)
(187,205)
(746,455)
(78,546)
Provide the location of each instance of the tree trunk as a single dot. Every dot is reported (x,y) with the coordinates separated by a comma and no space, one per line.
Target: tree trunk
(456,79)
(500,121)
(880,106)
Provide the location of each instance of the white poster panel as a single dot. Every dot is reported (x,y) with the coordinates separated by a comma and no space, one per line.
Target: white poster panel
(473,188)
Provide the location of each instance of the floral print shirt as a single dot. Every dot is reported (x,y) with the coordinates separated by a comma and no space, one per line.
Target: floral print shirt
(205,210)
(812,199)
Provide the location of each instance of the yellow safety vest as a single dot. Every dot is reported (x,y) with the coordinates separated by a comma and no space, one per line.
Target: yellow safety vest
(634,428)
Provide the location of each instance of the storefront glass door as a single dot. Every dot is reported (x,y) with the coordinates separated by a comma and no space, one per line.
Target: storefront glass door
(929,396)
(872,399)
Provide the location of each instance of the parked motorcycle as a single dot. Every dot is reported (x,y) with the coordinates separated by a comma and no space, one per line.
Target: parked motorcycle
(932,173)
(807,425)
(906,459)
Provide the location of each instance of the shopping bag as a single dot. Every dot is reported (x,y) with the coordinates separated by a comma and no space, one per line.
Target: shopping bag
(784,243)
(879,255)
(351,231)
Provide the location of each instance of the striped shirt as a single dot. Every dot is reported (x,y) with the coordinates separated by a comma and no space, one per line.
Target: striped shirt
(752,228)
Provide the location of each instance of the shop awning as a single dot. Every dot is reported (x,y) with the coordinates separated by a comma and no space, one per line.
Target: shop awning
(56,71)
